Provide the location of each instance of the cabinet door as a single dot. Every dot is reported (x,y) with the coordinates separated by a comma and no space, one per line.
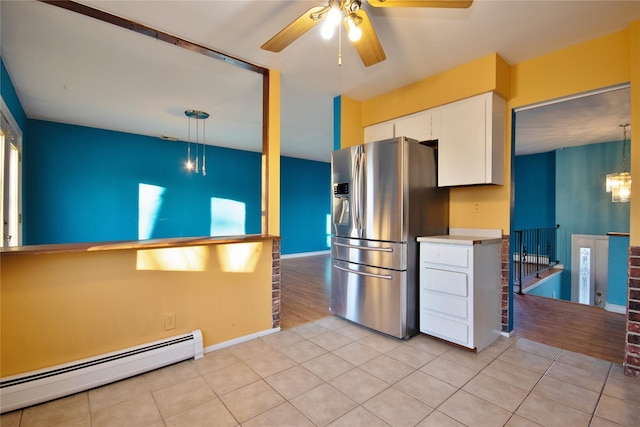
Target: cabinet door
(435,123)
(462,146)
(378,132)
(421,126)
(416,126)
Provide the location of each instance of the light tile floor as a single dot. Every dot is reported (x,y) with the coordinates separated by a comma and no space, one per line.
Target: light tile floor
(333,373)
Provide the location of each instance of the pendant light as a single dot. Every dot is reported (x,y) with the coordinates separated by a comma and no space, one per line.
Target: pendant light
(619,184)
(198,116)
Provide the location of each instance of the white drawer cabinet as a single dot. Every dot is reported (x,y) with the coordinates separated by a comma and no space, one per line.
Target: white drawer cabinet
(460,289)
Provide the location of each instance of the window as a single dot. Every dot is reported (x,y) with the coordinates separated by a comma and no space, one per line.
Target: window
(10,174)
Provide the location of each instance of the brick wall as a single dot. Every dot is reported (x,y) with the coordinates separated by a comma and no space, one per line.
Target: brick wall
(275,284)
(632,351)
(505,283)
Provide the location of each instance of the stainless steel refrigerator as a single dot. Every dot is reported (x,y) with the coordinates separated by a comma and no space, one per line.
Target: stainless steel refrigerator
(385,195)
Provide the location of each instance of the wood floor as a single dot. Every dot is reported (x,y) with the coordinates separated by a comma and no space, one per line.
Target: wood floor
(306,287)
(571,326)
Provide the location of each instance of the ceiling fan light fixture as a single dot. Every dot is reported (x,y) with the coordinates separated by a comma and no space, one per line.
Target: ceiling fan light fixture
(355,33)
(334,16)
(327,30)
(361,32)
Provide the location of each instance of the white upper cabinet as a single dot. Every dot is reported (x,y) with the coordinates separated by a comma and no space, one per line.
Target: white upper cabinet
(471,144)
(421,126)
(470,134)
(378,132)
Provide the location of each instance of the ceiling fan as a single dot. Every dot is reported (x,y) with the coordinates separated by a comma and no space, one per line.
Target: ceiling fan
(356,22)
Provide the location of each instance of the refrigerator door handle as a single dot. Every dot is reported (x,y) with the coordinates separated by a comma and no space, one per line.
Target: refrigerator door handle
(362,273)
(355,196)
(364,248)
(362,164)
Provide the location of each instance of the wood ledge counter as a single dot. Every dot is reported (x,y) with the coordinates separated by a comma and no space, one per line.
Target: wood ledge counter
(134,244)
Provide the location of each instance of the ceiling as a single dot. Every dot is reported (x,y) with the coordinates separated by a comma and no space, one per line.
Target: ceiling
(577,120)
(74,69)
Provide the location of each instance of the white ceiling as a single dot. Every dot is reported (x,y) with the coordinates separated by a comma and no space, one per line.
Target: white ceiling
(577,120)
(74,69)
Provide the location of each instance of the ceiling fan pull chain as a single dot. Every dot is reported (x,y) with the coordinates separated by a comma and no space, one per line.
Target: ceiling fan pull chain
(339,45)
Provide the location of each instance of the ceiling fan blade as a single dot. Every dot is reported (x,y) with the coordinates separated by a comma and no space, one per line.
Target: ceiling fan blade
(419,3)
(368,47)
(291,32)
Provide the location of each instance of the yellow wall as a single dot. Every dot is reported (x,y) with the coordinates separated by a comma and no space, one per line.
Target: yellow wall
(351,130)
(271,160)
(599,63)
(602,62)
(57,308)
(634,48)
(490,73)
(592,65)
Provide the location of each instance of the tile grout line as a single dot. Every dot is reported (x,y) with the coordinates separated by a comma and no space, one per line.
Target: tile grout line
(604,385)
(470,379)
(530,392)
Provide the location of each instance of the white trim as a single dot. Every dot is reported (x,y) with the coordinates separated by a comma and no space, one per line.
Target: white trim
(508,334)
(303,254)
(574,96)
(239,340)
(614,308)
(12,122)
(30,388)
(17,140)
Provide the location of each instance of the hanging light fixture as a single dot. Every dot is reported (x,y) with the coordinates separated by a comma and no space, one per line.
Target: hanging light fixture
(198,116)
(619,184)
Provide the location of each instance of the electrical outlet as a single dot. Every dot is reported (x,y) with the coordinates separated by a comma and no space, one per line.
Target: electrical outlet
(169,321)
(476,207)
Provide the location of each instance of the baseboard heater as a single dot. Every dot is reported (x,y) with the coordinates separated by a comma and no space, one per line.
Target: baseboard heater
(39,386)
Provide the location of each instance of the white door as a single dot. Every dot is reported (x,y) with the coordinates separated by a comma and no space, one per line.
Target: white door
(10,177)
(589,269)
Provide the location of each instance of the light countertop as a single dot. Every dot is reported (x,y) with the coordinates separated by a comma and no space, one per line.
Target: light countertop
(460,239)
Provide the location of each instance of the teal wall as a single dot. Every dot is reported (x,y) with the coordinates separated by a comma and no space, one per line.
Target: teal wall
(582,205)
(83,184)
(566,187)
(337,122)
(551,287)
(10,98)
(618,253)
(306,197)
(535,181)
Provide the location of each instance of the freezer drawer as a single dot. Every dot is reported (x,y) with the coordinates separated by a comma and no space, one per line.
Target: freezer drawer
(373,297)
(390,255)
